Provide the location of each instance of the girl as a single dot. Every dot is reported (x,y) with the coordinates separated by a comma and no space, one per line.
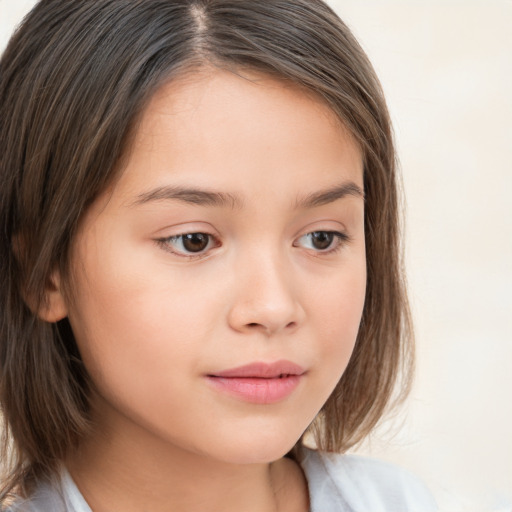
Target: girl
(200,261)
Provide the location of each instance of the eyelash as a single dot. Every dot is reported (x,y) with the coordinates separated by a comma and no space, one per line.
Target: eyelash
(341,240)
(165,243)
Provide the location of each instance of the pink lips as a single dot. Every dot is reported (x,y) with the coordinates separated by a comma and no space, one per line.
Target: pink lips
(259,383)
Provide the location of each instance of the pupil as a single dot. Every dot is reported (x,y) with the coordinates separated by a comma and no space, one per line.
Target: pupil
(195,242)
(322,239)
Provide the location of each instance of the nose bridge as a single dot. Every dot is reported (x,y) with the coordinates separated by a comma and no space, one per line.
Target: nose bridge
(266,296)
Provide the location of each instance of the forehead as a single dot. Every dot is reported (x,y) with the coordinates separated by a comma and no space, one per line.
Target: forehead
(235,131)
(246,98)
(205,89)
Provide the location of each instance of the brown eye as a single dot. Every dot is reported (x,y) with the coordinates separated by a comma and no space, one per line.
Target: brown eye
(195,242)
(189,244)
(321,240)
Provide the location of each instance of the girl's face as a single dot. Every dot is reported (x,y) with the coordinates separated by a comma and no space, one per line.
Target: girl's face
(233,237)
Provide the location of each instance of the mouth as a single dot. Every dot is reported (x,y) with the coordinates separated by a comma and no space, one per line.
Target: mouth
(259,383)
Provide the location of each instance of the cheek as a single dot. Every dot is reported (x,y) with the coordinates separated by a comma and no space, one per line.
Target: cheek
(110,315)
(337,312)
(340,300)
(133,312)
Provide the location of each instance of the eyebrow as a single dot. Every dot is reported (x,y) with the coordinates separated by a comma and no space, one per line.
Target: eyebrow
(329,195)
(189,195)
(204,197)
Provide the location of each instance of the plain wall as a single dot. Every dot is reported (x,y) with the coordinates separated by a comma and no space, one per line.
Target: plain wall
(446,67)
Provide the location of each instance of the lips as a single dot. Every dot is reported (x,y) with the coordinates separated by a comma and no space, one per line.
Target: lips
(262,370)
(259,383)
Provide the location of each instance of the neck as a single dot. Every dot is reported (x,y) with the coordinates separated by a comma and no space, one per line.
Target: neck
(123,469)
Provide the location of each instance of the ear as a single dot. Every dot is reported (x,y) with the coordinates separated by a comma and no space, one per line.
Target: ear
(54,307)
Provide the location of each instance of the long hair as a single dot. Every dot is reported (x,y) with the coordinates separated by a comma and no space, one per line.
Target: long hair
(74,80)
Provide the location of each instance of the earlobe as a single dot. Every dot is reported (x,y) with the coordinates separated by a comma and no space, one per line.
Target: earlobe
(54,307)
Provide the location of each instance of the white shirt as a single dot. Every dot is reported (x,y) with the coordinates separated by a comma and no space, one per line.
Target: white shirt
(337,483)
(352,483)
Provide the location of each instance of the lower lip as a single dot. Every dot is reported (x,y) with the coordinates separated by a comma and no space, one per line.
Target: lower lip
(257,390)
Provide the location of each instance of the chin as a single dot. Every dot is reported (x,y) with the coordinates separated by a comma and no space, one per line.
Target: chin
(259,449)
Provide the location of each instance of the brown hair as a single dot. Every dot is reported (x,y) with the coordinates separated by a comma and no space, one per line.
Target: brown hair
(74,80)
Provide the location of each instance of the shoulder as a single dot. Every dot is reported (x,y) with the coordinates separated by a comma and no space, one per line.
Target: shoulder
(58,495)
(44,499)
(357,484)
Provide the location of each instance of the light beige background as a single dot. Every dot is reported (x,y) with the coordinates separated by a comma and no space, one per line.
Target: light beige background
(446,67)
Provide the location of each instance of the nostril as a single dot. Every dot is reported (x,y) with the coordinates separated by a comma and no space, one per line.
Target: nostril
(256,325)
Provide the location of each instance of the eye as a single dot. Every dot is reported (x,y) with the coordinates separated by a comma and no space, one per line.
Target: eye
(323,241)
(188,244)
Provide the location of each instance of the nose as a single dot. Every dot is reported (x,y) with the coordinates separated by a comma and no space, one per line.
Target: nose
(267,298)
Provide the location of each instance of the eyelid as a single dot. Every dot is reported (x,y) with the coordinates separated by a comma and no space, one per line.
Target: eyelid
(164,243)
(341,237)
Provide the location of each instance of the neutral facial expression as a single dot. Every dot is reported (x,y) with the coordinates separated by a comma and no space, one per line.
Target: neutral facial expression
(219,284)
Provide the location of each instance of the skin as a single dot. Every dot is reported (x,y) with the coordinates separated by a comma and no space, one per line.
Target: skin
(151,320)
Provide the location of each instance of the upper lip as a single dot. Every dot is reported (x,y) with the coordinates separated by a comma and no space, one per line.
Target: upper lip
(262,370)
